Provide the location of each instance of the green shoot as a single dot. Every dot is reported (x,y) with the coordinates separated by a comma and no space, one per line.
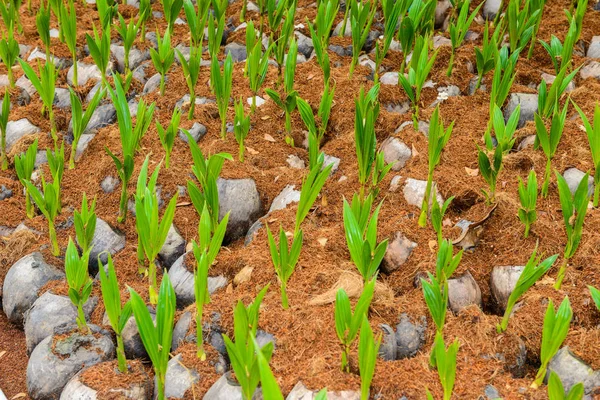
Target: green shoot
(163,58)
(319,33)
(99,46)
(80,120)
(157,338)
(438,138)
(311,187)
(78,278)
(592,129)
(391,14)
(4,113)
(128,33)
(521,24)
(258,63)
(68,23)
(549,140)
(348,323)
(418,21)
(196,21)
(445,362)
(144,14)
(191,71)
(282,43)
(220,7)
(556,327)
(215,35)
(167,135)
(437,215)
(171,9)
(107,9)
(504,132)
(24,165)
(368,349)
(446,263)
(528,195)
(556,390)
(117,315)
(533,271)
(504,76)
(241,126)
(595,293)
(221,86)
(85,223)
(536,9)
(490,171)
(485,58)
(269,386)
(9,53)
(548,99)
(361,18)
(284,259)
(458,30)
(42,22)
(436,297)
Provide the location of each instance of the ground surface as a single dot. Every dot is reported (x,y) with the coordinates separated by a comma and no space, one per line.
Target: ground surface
(307,346)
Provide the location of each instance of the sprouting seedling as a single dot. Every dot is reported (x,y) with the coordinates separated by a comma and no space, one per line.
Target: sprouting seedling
(156,338)
(437,215)
(78,278)
(163,58)
(418,72)
(107,9)
(80,119)
(130,138)
(521,23)
(490,171)
(446,263)
(549,140)
(24,165)
(592,129)
(191,71)
(48,199)
(438,138)
(556,390)
(528,195)
(560,53)
(152,233)
(9,53)
(311,187)
(258,63)
(284,259)
(269,386)
(220,7)
(216,28)
(321,42)
(595,293)
(458,30)
(361,236)
(275,12)
(316,133)
(283,41)
(128,33)
(171,9)
(368,349)
(196,21)
(556,327)
(287,102)
(9,11)
(391,13)
(536,10)
(45,85)
(417,19)
(445,362)
(99,46)
(554,48)
(241,126)
(85,223)
(485,58)
(167,135)
(574,209)
(117,315)
(251,41)
(242,352)
(504,132)
(221,86)
(380,171)
(68,23)
(436,297)
(532,272)
(4,113)
(548,99)
(347,323)
(144,14)
(504,76)
(361,19)
(42,22)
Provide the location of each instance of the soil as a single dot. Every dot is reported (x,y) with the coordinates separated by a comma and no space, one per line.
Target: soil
(307,345)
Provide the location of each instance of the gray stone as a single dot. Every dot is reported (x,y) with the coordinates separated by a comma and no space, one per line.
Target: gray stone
(395,151)
(139,73)
(253,232)
(173,247)
(295,162)
(103,116)
(82,145)
(527,141)
(463,291)
(62,98)
(85,72)
(409,337)
(180,330)
(136,57)
(197,131)
(26,85)
(47,313)
(60,63)
(262,338)
(287,196)
(338,28)
(571,370)
(105,239)
(226,388)
(342,51)
(22,98)
(366,61)
(178,379)
(132,342)
(594,48)
(573,176)
(399,250)
(22,282)
(398,108)
(491,393)
(237,51)
(441,10)
(331,160)
(439,41)
(15,130)
(5,193)
(183,282)
(241,199)
(590,70)
(388,347)
(109,184)
(529,106)
(305,44)
(92,93)
(185,100)
(152,84)
(414,192)
(491,8)
(502,282)
(77,390)
(549,79)
(389,78)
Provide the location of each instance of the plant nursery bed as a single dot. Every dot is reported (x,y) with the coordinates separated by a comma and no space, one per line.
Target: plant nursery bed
(307,348)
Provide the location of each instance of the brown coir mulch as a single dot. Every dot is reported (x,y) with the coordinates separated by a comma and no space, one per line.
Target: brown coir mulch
(307,346)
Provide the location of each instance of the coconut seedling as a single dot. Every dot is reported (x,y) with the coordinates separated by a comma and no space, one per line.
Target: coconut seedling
(4,113)
(504,76)
(485,57)
(80,119)
(157,338)
(145,15)
(561,53)
(241,126)
(221,87)
(128,33)
(556,327)
(258,63)
(269,386)
(446,262)
(9,11)
(361,19)
(418,72)
(536,9)
(45,85)
(368,350)
(445,362)
(196,21)
(311,187)
(592,129)
(243,352)
(532,272)
(78,278)
(574,208)
(163,57)
(68,23)
(171,10)
(42,23)
(117,315)
(391,10)
(191,71)
(107,9)
(458,30)
(348,323)
(283,42)
(556,390)
(528,195)
(418,21)
(24,165)
(361,236)
(435,291)
(9,53)
(548,99)
(320,31)
(48,199)
(216,28)
(130,139)
(521,23)
(167,135)
(220,7)
(437,140)
(99,46)
(437,215)
(285,258)
(85,223)
(504,132)
(490,169)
